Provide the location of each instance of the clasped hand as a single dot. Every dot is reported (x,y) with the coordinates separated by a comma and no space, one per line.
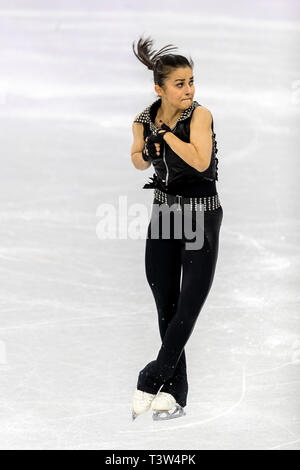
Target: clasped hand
(154,140)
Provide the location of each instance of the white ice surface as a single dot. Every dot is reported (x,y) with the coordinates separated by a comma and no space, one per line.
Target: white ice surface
(78,320)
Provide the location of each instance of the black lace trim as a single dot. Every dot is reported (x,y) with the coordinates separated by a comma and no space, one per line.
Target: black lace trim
(215,152)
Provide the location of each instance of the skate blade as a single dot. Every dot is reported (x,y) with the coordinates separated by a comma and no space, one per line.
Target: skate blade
(162,415)
(134,415)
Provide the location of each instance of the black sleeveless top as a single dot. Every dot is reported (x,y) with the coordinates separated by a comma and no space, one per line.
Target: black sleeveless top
(172,174)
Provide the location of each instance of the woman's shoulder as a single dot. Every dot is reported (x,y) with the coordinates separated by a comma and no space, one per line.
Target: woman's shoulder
(137,118)
(202,112)
(200,109)
(143,116)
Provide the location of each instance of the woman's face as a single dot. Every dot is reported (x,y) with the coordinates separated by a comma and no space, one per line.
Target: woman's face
(179,88)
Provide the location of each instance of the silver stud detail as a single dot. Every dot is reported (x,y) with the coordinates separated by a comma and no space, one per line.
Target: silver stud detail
(207,203)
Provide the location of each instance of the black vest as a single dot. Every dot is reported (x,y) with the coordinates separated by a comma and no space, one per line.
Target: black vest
(172,173)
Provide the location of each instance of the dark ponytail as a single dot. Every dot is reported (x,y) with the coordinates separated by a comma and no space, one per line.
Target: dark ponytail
(162,64)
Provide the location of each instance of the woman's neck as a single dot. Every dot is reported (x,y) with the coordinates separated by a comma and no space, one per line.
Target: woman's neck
(168,114)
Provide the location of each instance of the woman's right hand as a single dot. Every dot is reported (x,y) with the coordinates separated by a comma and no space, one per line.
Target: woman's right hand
(152,148)
(157,146)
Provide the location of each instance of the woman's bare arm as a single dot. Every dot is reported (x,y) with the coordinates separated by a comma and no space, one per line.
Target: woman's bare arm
(197,152)
(138,146)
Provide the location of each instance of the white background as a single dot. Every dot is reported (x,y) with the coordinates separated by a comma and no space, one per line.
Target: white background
(78,320)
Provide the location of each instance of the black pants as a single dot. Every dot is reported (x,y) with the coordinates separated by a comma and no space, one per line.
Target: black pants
(178,302)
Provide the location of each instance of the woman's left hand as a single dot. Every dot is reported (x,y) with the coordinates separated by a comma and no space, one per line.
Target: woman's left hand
(163,130)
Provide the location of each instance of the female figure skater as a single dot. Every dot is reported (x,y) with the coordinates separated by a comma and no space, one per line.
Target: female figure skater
(175,134)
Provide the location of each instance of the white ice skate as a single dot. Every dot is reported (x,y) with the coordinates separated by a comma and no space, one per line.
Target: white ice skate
(141,403)
(164,406)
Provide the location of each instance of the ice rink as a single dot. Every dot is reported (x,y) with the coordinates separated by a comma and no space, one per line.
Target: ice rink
(78,319)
